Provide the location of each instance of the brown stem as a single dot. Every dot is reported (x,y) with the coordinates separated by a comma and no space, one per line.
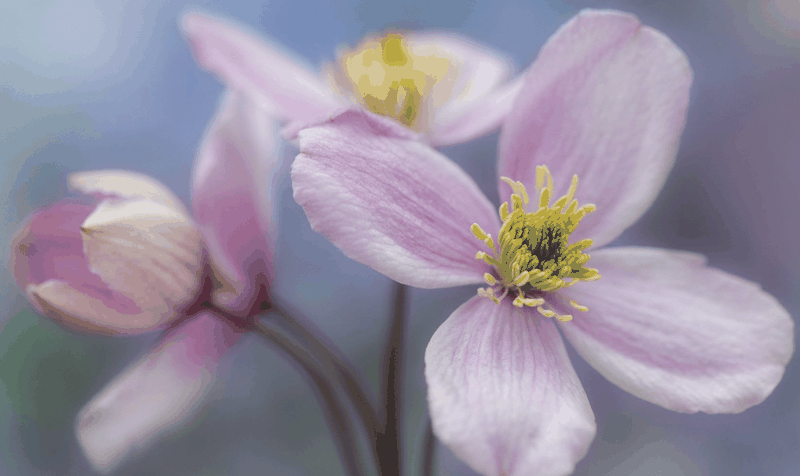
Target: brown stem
(428,449)
(341,371)
(335,412)
(388,441)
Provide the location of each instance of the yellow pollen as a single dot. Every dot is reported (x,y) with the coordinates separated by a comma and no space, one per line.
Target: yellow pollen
(532,255)
(389,79)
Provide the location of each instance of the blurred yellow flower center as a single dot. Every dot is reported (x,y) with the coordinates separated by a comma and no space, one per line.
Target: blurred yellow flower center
(389,79)
(533,255)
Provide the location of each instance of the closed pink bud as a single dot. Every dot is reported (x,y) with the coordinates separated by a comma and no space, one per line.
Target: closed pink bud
(125,264)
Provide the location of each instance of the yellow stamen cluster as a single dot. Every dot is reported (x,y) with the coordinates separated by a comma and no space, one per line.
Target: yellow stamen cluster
(390,79)
(533,256)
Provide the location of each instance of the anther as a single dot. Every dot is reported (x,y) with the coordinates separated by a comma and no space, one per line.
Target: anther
(478,232)
(545,312)
(578,306)
(523,192)
(504,211)
(544,198)
(511,184)
(522,278)
(517,202)
(540,172)
(572,188)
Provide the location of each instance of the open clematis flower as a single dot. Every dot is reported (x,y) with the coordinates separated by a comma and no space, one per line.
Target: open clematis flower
(604,102)
(134,262)
(445,86)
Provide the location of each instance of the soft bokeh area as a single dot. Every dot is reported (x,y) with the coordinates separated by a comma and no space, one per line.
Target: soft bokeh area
(112,84)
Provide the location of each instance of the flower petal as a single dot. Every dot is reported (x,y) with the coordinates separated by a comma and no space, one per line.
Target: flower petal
(391,202)
(123,184)
(479,68)
(155,395)
(469,101)
(232,200)
(246,62)
(503,394)
(147,251)
(103,311)
(467,120)
(673,332)
(605,100)
(48,245)
(49,263)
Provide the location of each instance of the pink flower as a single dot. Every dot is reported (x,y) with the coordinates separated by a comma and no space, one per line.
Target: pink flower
(233,184)
(605,101)
(126,263)
(133,262)
(445,86)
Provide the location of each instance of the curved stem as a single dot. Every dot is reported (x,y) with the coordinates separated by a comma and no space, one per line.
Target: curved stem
(342,372)
(388,442)
(336,413)
(428,449)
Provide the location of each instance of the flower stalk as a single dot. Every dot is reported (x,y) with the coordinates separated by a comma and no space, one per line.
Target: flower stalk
(388,440)
(295,323)
(428,449)
(324,386)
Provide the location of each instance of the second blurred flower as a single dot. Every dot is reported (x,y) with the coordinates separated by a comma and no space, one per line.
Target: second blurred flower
(445,86)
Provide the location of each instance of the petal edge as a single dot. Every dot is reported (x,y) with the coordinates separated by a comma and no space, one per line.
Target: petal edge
(606,99)
(676,333)
(503,394)
(391,203)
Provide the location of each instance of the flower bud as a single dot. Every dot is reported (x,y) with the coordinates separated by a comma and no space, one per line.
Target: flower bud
(126,264)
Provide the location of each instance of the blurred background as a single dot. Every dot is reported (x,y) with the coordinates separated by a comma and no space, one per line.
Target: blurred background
(88,84)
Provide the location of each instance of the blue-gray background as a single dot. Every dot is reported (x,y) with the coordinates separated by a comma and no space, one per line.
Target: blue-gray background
(88,84)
